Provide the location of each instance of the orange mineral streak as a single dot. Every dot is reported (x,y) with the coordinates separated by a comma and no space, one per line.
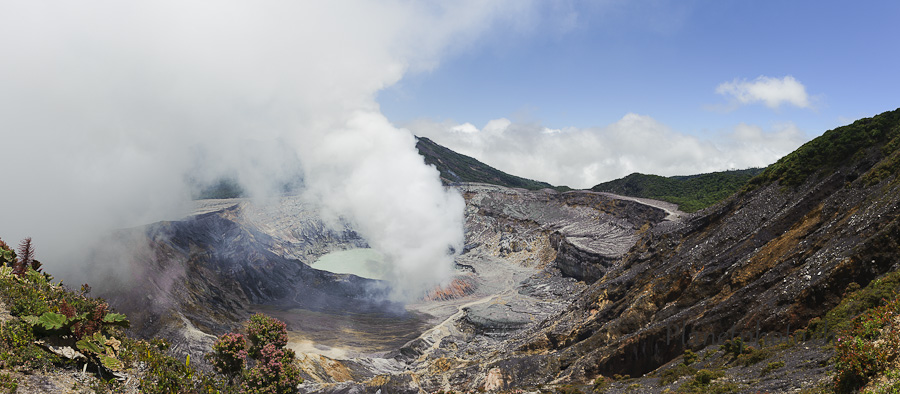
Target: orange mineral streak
(458,288)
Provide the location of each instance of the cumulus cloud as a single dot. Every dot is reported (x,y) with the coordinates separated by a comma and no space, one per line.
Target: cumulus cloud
(107,107)
(772,92)
(584,157)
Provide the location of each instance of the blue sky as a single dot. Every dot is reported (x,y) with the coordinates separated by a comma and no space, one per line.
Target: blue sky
(587,64)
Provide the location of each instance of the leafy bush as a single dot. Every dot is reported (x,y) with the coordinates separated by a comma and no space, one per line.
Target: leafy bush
(165,374)
(229,354)
(51,311)
(705,376)
(272,367)
(43,310)
(17,348)
(25,297)
(264,330)
(7,255)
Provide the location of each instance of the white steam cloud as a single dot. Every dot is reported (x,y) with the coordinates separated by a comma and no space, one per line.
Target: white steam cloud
(582,158)
(107,106)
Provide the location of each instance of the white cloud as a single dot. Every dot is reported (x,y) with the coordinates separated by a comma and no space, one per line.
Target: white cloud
(635,143)
(106,105)
(465,128)
(772,92)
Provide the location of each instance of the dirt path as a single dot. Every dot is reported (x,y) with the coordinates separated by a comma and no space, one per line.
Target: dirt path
(671,209)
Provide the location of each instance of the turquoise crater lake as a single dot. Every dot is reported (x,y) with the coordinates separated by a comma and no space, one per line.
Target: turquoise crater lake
(362,262)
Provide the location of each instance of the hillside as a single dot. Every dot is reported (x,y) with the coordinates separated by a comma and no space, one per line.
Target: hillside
(691,193)
(868,143)
(455,167)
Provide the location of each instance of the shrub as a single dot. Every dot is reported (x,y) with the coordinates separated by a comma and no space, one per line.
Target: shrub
(770,367)
(7,383)
(669,376)
(26,257)
(274,372)
(264,330)
(17,348)
(272,367)
(689,357)
(735,348)
(705,376)
(866,348)
(568,389)
(752,356)
(44,309)
(25,297)
(857,300)
(704,382)
(7,255)
(229,354)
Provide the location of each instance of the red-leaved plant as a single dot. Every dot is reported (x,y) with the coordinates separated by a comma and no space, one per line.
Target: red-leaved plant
(229,355)
(272,369)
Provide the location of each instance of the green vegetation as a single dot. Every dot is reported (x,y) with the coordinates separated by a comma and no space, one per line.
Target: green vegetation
(867,348)
(691,193)
(868,342)
(771,367)
(875,139)
(743,354)
(599,384)
(752,356)
(273,370)
(455,167)
(858,300)
(857,142)
(705,382)
(689,357)
(7,384)
(568,389)
(669,376)
(51,328)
